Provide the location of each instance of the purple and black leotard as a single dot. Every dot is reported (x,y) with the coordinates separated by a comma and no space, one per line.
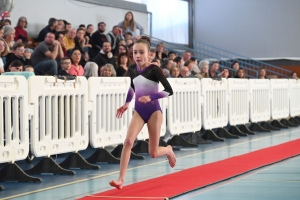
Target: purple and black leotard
(146,82)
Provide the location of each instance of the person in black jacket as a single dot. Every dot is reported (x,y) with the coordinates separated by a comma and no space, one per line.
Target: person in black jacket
(105,56)
(17,54)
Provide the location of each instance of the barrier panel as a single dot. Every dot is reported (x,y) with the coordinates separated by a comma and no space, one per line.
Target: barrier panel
(107,94)
(14,136)
(184,106)
(238,96)
(259,100)
(59,123)
(279,89)
(294,89)
(215,106)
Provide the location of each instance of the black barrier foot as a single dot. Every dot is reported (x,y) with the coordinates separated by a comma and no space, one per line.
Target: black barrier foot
(163,143)
(118,150)
(277,124)
(194,138)
(294,120)
(245,129)
(48,165)
(236,131)
(2,188)
(75,160)
(102,155)
(267,125)
(12,172)
(140,147)
(285,122)
(178,140)
(258,127)
(223,133)
(211,135)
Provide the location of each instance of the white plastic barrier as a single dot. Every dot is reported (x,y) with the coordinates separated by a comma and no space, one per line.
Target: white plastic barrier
(259,100)
(294,89)
(238,92)
(107,94)
(215,106)
(14,136)
(59,123)
(279,89)
(184,106)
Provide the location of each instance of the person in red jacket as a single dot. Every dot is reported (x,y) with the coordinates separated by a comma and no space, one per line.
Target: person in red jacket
(21,33)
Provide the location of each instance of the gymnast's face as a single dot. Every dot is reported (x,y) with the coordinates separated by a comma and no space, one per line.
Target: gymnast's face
(141,54)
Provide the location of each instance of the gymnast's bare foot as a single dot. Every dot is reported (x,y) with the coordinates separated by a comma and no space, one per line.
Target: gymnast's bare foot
(117,184)
(171,156)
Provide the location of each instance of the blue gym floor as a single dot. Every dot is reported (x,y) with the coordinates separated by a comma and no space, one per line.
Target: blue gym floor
(278,181)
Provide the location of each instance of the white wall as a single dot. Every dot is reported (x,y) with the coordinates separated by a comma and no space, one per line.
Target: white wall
(38,13)
(254,28)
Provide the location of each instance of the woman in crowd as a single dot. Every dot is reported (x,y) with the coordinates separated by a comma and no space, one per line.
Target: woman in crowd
(160,47)
(59,36)
(90,70)
(76,69)
(108,70)
(241,73)
(225,73)
(203,66)
(123,63)
(129,25)
(174,72)
(235,66)
(9,36)
(294,75)
(262,73)
(20,32)
(3,53)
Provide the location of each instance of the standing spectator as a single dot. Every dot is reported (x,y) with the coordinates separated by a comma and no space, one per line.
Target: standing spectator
(90,70)
(20,32)
(113,37)
(123,63)
(52,23)
(9,35)
(213,69)
(240,73)
(17,54)
(129,25)
(262,73)
(76,69)
(97,40)
(105,56)
(160,47)
(44,55)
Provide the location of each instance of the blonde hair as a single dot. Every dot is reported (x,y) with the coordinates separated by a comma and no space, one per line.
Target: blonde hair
(112,69)
(5,52)
(130,23)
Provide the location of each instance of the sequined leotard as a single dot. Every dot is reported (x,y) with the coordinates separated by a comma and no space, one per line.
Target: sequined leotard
(144,83)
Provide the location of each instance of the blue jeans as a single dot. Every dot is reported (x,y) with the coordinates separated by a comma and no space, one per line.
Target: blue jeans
(47,67)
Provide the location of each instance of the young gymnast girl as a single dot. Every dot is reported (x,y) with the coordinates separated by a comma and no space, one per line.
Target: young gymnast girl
(145,78)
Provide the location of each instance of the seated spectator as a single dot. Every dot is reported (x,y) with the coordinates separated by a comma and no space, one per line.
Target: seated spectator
(68,26)
(15,66)
(9,34)
(28,68)
(129,42)
(5,15)
(3,53)
(105,56)
(235,66)
(224,73)
(60,26)
(27,53)
(88,33)
(213,69)
(151,55)
(171,55)
(70,41)
(122,42)
(44,55)
(82,26)
(184,72)
(294,75)
(1,31)
(113,37)
(109,70)
(17,54)
(203,66)
(90,70)
(65,64)
(20,32)
(129,25)
(186,56)
(174,72)
(190,64)
(59,36)
(6,22)
(97,40)
(240,73)
(167,66)
(76,69)
(120,49)
(160,47)
(179,61)
(52,23)
(80,44)
(123,63)
(130,53)
(262,73)
(128,36)
(156,62)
